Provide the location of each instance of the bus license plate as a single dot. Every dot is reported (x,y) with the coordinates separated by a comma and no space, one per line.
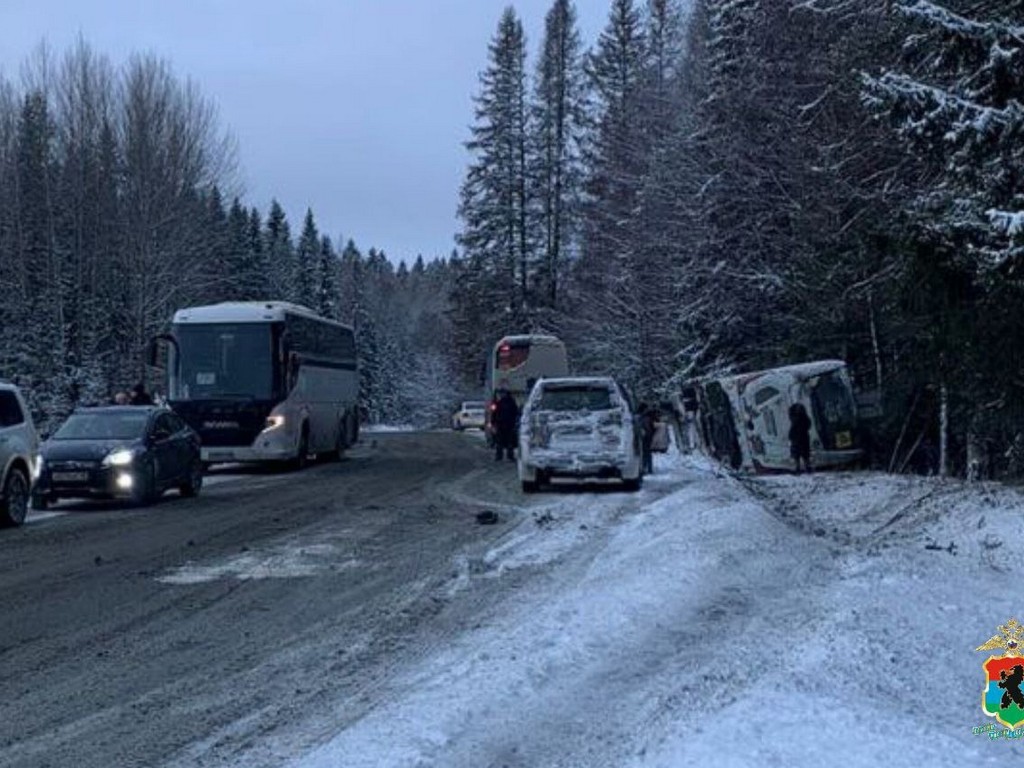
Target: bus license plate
(70,477)
(843,440)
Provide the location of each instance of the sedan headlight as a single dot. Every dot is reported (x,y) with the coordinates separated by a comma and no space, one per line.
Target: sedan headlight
(37,467)
(273,422)
(119,458)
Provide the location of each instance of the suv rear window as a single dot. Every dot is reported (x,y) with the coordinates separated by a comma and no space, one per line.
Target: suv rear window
(592,398)
(10,410)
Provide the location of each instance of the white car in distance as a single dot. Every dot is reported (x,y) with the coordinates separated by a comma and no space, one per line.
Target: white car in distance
(472,414)
(578,428)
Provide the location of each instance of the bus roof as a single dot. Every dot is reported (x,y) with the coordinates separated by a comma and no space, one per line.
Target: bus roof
(528,338)
(247,312)
(798,371)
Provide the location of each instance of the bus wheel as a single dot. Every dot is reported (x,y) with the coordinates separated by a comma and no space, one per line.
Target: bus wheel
(352,428)
(341,442)
(302,457)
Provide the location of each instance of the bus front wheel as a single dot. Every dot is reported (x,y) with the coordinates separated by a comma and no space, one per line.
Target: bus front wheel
(301,460)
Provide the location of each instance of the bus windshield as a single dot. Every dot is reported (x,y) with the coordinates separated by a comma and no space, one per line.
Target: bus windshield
(512,355)
(836,410)
(224,360)
(517,362)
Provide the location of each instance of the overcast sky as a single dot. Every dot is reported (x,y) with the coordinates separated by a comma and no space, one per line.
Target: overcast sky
(355,108)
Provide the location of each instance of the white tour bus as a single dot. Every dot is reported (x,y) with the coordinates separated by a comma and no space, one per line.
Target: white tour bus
(263,381)
(517,362)
(743,419)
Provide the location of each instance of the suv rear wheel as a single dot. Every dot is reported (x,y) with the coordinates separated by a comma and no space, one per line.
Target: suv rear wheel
(14,503)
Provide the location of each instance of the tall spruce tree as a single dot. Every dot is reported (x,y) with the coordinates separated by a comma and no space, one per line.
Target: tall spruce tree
(326,283)
(558,114)
(607,327)
(307,253)
(493,202)
(280,254)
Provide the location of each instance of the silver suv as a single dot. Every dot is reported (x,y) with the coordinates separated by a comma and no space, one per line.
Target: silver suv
(578,428)
(19,445)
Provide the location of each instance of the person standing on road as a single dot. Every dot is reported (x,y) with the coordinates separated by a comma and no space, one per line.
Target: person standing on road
(140,396)
(800,436)
(648,425)
(506,423)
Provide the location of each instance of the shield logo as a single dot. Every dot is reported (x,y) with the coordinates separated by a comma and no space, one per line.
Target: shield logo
(1003,694)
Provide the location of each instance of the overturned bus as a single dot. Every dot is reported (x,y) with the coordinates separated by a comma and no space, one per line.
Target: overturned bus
(743,419)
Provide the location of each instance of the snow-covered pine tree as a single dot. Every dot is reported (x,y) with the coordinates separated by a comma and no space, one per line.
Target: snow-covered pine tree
(277,245)
(239,259)
(40,364)
(605,328)
(558,115)
(955,103)
(257,270)
(493,202)
(349,270)
(326,280)
(307,253)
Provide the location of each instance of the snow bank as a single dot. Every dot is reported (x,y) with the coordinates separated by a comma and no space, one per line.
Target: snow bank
(791,621)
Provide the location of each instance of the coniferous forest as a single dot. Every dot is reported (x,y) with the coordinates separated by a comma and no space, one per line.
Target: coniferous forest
(708,186)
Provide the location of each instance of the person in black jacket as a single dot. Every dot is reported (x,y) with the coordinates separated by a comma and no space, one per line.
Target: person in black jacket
(506,424)
(800,436)
(648,424)
(140,396)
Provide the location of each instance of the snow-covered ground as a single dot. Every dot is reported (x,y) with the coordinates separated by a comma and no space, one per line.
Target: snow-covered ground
(796,621)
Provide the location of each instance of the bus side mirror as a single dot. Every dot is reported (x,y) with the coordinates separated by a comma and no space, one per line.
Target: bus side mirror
(690,399)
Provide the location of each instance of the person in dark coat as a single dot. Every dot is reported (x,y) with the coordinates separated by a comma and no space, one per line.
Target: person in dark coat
(506,424)
(800,436)
(648,425)
(140,396)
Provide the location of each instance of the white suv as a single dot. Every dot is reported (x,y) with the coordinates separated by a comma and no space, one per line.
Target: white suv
(19,445)
(578,428)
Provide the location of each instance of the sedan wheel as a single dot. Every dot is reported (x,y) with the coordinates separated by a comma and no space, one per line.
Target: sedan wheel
(145,492)
(14,504)
(194,484)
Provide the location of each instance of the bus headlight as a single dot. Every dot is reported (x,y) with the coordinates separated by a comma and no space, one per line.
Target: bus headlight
(119,458)
(273,422)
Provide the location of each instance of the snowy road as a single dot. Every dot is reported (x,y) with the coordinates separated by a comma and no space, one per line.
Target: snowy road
(129,637)
(365,619)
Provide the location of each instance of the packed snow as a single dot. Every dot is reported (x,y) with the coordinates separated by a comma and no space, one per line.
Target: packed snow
(721,620)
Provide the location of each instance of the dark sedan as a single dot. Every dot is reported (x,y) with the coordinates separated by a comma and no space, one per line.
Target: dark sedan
(133,453)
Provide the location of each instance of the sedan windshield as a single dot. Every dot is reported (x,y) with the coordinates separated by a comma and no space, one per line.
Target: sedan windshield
(584,398)
(122,425)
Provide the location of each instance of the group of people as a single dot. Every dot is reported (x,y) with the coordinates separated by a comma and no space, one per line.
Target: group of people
(136,396)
